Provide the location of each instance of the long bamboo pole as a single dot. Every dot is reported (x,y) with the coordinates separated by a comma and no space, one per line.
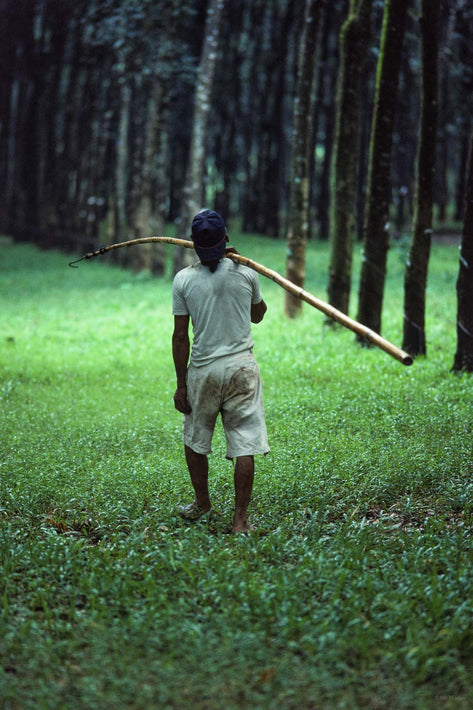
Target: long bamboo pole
(361,330)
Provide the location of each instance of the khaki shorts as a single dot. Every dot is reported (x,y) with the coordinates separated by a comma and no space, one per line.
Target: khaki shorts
(230,386)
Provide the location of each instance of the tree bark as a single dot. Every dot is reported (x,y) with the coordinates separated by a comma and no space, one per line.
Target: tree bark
(353,45)
(376,230)
(11,27)
(443,138)
(121,166)
(324,201)
(415,282)
(460,185)
(194,189)
(298,228)
(151,257)
(266,82)
(464,354)
(406,148)
(366,109)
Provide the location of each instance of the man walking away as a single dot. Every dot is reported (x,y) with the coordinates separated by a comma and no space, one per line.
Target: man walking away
(221,299)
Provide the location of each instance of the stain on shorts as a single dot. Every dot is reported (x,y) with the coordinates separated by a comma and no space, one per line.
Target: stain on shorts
(242,383)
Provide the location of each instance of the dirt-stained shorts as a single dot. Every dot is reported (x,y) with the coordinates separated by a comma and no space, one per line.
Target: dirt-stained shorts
(230,386)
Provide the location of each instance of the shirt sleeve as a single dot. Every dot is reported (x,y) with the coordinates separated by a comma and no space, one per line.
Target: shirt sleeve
(179,307)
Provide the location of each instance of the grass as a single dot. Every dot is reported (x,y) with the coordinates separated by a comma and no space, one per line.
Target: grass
(356,591)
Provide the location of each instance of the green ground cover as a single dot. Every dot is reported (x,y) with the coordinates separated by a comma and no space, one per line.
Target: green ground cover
(356,590)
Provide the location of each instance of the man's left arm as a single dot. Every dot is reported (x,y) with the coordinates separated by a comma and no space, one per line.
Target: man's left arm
(180,354)
(258,306)
(257,311)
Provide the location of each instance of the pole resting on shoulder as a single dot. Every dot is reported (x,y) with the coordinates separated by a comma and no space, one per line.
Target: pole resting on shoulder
(361,330)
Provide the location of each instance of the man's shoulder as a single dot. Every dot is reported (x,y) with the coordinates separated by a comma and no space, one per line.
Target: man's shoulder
(186,272)
(241,269)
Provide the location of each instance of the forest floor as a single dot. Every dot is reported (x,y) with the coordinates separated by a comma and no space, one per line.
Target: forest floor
(355,591)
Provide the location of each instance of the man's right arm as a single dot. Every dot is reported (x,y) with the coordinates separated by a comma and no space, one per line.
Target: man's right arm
(180,353)
(257,311)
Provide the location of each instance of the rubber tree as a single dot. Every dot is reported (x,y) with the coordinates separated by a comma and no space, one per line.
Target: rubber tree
(464,353)
(148,176)
(415,281)
(444,139)
(463,47)
(145,218)
(354,37)
(193,198)
(323,119)
(298,222)
(376,223)
(262,111)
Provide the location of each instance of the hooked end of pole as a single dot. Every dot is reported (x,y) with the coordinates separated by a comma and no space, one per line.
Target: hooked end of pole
(72,264)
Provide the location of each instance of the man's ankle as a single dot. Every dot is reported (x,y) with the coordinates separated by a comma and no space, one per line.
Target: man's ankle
(204,505)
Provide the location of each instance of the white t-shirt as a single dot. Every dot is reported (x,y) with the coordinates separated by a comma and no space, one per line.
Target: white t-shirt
(219,305)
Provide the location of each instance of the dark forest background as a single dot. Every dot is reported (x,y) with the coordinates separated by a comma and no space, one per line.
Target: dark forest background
(118,117)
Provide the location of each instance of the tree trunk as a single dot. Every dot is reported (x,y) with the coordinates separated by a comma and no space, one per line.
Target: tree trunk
(121,166)
(64,161)
(298,228)
(10,178)
(362,163)
(20,194)
(149,256)
(354,41)
(460,186)
(443,139)
(376,230)
(416,269)
(194,189)
(251,105)
(406,149)
(224,131)
(324,201)
(464,355)
(263,115)
(11,28)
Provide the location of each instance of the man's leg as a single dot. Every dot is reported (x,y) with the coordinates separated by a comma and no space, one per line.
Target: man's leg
(244,475)
(198,466)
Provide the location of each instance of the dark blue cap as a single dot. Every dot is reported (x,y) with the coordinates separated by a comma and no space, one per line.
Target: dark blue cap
(208,234)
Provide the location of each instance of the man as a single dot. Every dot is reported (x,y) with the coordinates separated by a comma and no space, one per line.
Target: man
(222,299)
